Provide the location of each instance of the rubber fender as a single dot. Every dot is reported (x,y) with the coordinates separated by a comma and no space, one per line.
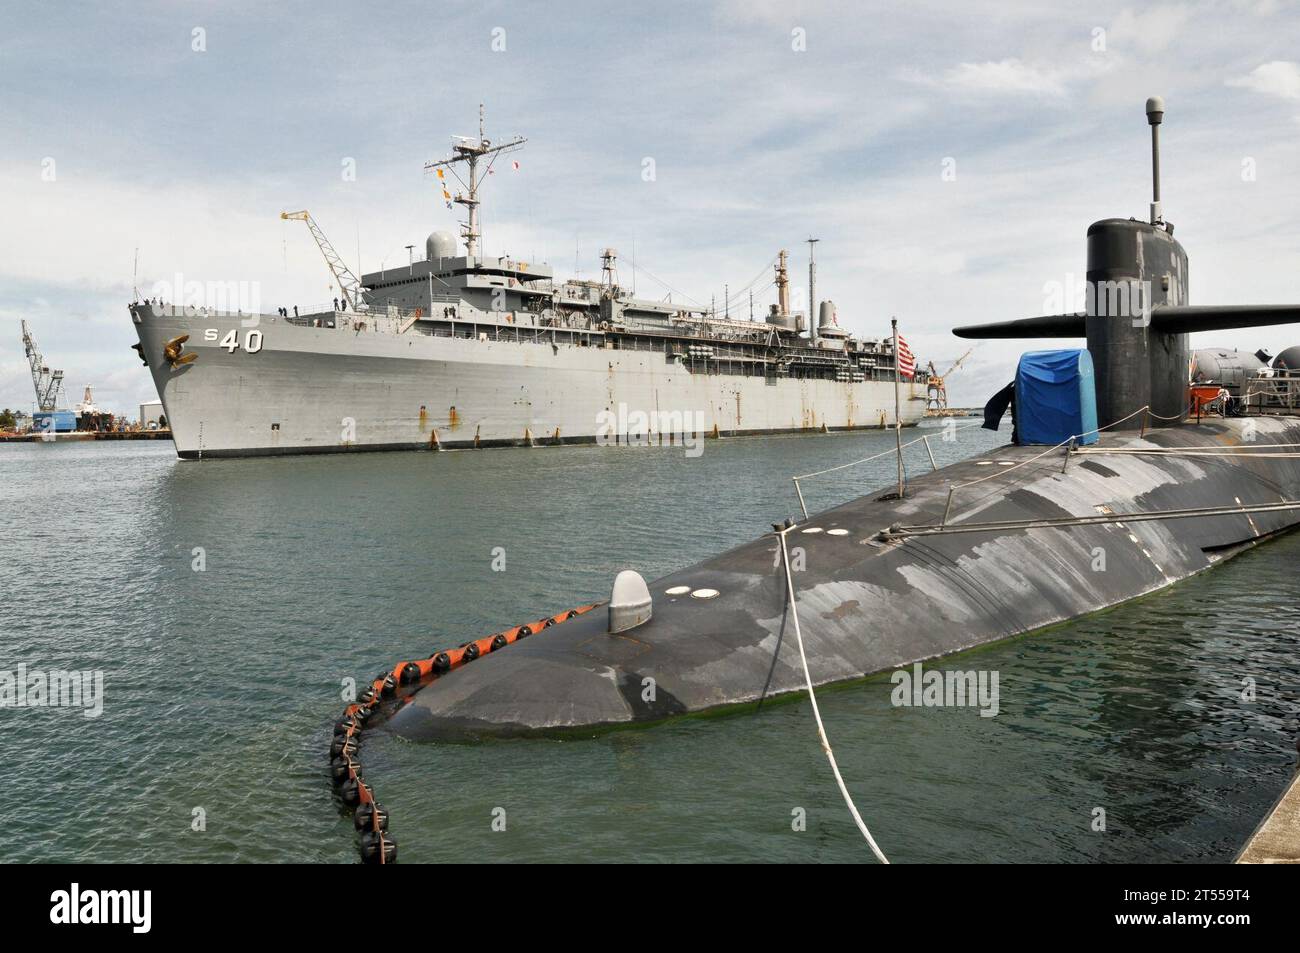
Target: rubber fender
(346,725)
(344,767)
(369,815)
(343,746)
(351,792)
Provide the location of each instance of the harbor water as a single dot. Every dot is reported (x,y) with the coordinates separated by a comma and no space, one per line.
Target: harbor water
(227,602)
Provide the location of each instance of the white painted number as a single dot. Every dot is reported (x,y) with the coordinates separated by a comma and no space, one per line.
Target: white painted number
(252,340)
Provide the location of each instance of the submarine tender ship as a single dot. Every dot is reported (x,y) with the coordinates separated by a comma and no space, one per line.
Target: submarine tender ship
(466,350)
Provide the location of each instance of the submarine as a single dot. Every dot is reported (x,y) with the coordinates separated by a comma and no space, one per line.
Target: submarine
(990,548)
(1002,554)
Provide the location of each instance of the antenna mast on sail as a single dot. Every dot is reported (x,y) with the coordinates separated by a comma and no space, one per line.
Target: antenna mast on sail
(471,152)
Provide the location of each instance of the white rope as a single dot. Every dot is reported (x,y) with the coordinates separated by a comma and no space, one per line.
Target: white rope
(798,489)
(1180,452)
(1182,416)
(1039,456)
(1101,519)
(876,456)
(812,697)
(1223,448)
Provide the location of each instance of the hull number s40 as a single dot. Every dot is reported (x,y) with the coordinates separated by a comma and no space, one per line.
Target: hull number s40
(252,339)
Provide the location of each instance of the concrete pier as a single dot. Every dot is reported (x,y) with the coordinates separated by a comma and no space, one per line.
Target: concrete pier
(79,435)
(1277,839)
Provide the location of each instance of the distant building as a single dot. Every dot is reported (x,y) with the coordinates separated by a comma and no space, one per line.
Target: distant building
(150,414)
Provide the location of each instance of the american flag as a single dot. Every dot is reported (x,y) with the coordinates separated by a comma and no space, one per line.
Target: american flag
(906,359)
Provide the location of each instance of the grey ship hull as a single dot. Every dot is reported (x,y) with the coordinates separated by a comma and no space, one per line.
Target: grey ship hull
(363,385)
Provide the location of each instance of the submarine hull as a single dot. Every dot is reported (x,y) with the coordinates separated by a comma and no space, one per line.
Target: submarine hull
(868,605)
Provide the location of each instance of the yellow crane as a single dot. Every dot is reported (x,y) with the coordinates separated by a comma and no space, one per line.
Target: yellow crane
(349,284)
(936,402)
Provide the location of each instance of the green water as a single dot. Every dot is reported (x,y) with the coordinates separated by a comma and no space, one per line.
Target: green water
(221,685)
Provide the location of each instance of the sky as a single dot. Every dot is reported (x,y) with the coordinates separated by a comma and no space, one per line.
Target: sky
(948,155)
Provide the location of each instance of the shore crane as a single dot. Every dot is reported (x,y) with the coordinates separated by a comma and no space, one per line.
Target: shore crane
(350,288)
(936,398)
(48,383)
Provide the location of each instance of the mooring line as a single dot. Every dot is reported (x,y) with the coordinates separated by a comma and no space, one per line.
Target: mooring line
(812,697)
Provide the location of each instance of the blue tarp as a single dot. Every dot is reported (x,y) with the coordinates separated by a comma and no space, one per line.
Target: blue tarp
(1056,397)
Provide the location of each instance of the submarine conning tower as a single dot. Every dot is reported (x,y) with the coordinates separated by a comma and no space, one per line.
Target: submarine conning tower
(1137,316)
(1134,267)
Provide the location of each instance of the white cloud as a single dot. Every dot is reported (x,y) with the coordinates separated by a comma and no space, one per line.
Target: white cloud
(1005,76)
(1016,77)
(1278,78)
(1151,31)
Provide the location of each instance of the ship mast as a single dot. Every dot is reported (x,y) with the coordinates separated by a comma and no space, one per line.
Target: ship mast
(812,291)
(782,284)
(471,153)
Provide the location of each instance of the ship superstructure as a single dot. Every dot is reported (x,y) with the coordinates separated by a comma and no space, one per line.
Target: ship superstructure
(467,350)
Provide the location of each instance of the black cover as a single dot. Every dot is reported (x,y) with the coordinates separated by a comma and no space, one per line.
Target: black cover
(997,406)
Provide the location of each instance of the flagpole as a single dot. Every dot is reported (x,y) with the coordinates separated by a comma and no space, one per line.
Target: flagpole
(898,422)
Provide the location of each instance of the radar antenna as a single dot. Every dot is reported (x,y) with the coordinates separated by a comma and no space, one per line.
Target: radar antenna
(471,152)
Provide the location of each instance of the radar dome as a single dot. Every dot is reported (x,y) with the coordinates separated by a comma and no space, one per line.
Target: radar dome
(440,245)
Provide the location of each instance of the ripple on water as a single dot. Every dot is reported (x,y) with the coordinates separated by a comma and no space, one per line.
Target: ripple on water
(221,685)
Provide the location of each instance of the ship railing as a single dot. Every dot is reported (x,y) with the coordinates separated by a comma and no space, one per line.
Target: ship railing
(351,320)
(520,334)
(1067,444)
(892,451)
(381,318)
(1271,395)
